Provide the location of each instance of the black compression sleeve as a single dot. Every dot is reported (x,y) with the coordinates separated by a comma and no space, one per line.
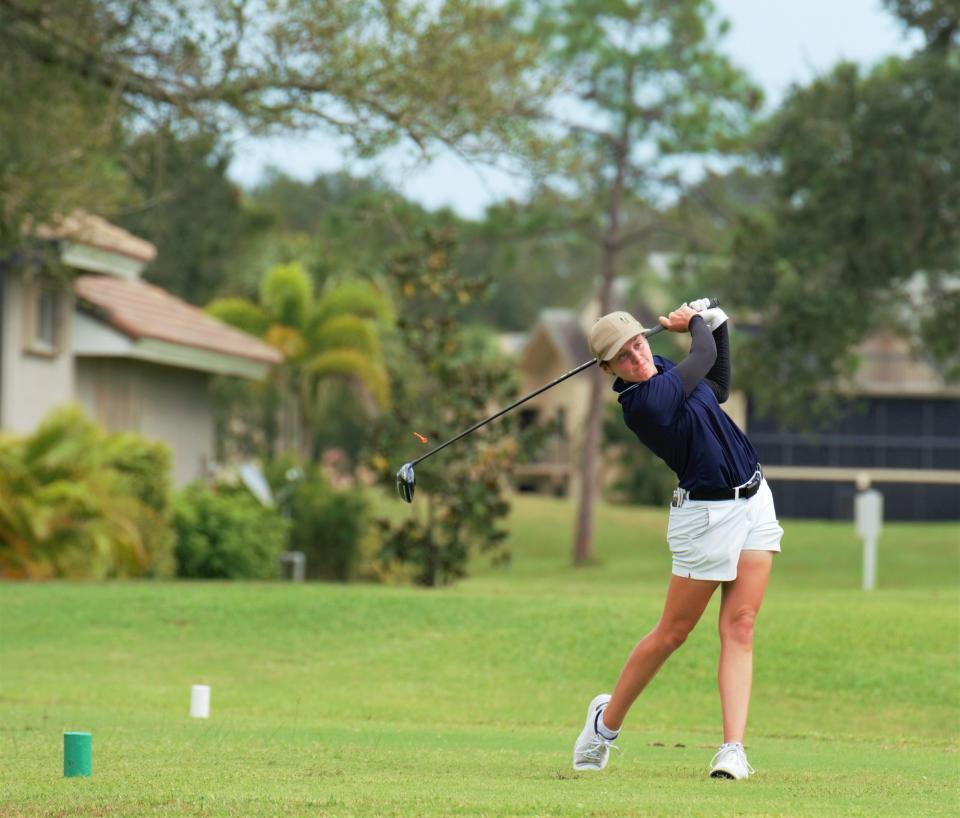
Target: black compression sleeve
(718,378)
(703,354)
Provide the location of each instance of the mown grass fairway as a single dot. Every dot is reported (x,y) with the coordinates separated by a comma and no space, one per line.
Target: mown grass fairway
(373,701)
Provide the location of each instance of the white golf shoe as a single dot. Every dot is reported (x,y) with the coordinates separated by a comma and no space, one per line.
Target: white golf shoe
(730,762)
(592,750)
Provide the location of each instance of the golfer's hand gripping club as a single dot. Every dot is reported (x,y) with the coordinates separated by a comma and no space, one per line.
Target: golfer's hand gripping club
(406,478)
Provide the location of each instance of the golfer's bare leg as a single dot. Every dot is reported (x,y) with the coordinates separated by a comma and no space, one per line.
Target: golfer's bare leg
(686,600)
(739,605)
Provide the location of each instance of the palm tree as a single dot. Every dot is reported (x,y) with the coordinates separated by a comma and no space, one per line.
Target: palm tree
(330,343)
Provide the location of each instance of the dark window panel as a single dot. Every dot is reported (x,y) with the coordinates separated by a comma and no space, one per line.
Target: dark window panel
(810,455)
(903,417)
(860,456)
(945,459)
(946,418)
(902,457)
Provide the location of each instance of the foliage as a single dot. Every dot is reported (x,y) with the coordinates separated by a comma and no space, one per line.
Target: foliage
(641,477)
(286,294)
(240,313)
(535,258)
(863,233)
(327,525)
(939,20)
(340,227)
(78,76)
(350,297)
(60,133)
(226,534)
(433,356)
(143,469)
(75,502)
(183,202)
(330,344)
(345,229)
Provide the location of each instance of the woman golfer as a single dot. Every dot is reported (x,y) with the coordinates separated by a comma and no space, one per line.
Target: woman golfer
(722,531)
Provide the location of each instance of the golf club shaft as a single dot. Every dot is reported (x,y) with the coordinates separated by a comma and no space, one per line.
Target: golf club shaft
(571,373)
(484,422)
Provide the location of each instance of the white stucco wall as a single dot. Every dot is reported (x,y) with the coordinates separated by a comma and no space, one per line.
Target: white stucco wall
(32,384)
(159,402)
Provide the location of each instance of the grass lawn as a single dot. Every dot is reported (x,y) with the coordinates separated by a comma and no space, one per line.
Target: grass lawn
(377,701)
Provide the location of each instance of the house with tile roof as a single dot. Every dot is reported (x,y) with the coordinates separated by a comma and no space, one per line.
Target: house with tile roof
(135,357)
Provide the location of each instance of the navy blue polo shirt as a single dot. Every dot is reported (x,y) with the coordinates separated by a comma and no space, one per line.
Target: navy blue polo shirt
(691,434)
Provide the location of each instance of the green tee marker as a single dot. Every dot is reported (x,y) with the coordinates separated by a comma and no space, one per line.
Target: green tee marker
(77,754)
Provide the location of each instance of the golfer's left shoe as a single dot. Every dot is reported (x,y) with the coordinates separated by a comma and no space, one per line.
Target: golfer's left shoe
(730,762)
(592,750)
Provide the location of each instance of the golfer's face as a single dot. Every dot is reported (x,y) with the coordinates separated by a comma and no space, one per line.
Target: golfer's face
(633,363)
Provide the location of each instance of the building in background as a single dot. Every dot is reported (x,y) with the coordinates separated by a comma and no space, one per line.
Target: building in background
(900,430)
(132,355)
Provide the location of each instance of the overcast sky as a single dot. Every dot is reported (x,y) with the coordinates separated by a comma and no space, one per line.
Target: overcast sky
(778,42)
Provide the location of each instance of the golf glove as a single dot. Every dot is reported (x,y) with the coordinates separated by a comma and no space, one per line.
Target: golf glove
(700,304)
(713,317)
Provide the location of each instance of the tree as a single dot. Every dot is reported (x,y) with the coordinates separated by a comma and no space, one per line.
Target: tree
(59,133)
(645,84)
(533,258)
(326,341)
(863,231)
(446,375)
(183,202)
(337,225)
(78,74)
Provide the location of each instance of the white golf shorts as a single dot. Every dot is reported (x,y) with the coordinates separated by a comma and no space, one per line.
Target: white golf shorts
(707,536)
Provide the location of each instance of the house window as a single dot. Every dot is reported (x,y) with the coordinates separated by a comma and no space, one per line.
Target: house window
(43,314)
(528,417)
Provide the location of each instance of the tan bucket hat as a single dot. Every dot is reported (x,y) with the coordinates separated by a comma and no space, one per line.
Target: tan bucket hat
(611,332)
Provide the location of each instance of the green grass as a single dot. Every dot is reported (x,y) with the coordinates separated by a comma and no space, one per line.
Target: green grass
(375,701)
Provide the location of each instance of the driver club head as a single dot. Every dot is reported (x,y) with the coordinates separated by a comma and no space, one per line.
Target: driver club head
(406,482)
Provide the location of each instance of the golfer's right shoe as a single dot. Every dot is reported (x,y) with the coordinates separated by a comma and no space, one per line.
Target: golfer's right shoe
(592,750)
(730,762)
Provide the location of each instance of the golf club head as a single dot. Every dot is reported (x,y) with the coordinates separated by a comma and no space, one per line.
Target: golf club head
(406,482)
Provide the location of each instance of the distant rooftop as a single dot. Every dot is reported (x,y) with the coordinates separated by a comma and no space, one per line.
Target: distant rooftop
(564,327)
(140,310)
(889,366)
(85,228)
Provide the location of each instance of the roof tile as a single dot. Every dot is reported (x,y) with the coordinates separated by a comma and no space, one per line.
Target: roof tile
(141,310)
(86,228)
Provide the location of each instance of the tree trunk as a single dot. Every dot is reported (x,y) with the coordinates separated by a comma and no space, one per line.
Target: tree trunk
(583,544)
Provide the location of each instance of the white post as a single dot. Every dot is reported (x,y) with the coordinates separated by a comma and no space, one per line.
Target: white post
(200,701)
(868,515)
(298,564)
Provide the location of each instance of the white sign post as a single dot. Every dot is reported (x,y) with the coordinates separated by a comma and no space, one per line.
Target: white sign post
(868,515)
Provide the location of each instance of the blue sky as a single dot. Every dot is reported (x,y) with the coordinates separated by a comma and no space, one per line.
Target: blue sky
(778,42)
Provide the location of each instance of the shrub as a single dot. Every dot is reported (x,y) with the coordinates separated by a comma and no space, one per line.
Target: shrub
(226,535)
(143,470)
(72,506)
(328,526)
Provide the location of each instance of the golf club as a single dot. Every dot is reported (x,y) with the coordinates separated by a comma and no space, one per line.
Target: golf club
(406,479)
